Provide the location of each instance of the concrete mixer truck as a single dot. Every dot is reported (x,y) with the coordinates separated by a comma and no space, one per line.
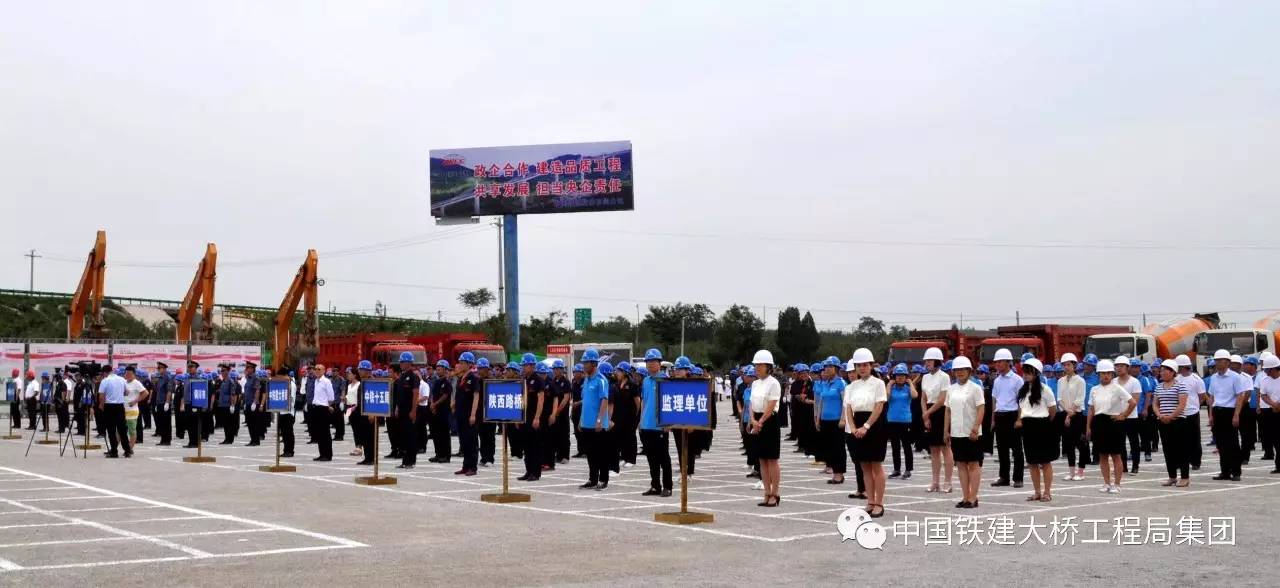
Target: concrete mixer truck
(1242,342)
(1164,340)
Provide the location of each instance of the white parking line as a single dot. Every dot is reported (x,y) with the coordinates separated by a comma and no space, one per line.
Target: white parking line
(109,529)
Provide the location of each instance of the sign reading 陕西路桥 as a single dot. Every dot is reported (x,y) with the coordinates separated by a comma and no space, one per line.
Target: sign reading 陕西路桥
(504,401)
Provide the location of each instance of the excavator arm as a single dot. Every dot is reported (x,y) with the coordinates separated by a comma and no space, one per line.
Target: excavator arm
(303,289)
(89,294)
(199,294)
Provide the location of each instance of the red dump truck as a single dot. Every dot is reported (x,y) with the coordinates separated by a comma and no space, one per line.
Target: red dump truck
(1047,342)
(384,349)
(953,342)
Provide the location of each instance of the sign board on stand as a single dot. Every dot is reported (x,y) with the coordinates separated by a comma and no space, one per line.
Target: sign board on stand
(278,402)
(683,406)
(504,402)
(375,401)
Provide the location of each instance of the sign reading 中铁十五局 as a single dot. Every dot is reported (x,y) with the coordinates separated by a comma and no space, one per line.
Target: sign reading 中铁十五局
(581,319)
(684,403)
(198,394)
(375,400)
(503,401)
(531,179)
(278,395)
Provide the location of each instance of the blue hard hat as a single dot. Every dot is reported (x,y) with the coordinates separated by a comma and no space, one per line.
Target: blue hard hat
(467,356)
(365,364)
(511,365)
(541,368)
(982,368)
(406,356)
(1252,360)
(1027,355)
(1091,359)
(733,372)
(528,359)
(590,355)
(577,368)
(817,367)
(946,366)
(482,363)
(624,366)
(884,369)
(1057,367)
(181,377)
(697,371)
(748,371)
(800,367)
(683,363)
(652,355)
(918,369)
(233,374)
(900,369)
(44,374)
(292,374)
(831,361)
(606,368)
(557,364)
(444,363)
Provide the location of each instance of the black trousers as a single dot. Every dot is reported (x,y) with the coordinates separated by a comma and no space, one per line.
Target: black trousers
(1228,438)
(988,424)
(467,442)
(64,417)
(257,421)
(1133,433)
(600,455)
(487,432)
(409,438)
(753,461)
(440,441)
(1150,433)
(900,440)
(849,442)
(144,416)
(685,443)
(82,413)
(420,423)
(117,430)
(575,417)
(285,423)
(548,441)
(562,428)
(624,438)
(33,409)
(15,414)
(1248,431)
(1267,432)
(833,447)
(1074,445)
(338,419)
(530,444)
(1196,451)
(362,432)
(193,422)
(1009,438)
(318,425)
(181,421)
(164,424)
(657,451)
(229,421)
(1176,437)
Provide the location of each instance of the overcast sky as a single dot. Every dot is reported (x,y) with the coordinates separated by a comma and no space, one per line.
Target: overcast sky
(913,160)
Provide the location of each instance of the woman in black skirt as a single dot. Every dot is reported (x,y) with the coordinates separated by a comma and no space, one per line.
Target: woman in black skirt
(864,401)
(965,407)
(766,393)
(1037,409)
(1109,404)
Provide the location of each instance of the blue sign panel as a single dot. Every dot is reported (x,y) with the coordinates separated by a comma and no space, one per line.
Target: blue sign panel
(278,395)
(198,394)
(376,399)
(684,403)
(46,392)
(504,401)
(10,391)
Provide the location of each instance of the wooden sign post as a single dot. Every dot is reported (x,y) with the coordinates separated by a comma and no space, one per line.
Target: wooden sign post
(504,402)
(278,401)
(683,406)
(375,402)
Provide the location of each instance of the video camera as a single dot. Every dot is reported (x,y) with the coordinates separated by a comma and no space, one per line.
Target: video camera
(87,369)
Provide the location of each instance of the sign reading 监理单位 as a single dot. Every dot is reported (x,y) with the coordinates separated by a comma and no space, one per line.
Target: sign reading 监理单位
(375,399)
(531,179)
(684,403)
(503,401)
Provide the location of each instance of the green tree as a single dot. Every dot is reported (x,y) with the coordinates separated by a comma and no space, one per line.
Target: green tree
(809,338)
(540,331)
(790,336)
(477,299)
(738,333)
(664,323)
(870,328)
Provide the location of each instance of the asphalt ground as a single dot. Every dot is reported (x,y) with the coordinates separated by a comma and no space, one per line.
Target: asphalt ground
(155,520)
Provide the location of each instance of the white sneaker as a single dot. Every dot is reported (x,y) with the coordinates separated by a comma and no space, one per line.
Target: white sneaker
(1105,489)
(758,486)
(1078,477)
(1115,489)
(1068,477)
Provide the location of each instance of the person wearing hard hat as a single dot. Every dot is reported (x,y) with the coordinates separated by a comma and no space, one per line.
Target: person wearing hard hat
(902,396)
(1131,427)
(485,432)
(595,421)
(575,410)
(15,401)
(933,398)
(530,438)
(438,411)
(1228,395)
(1037,408)
(1071,417)
(685,448)
(744,422)
(1248,370)
(963,426)
(801,393)
(1147,427)
(1110,404)
(765,396)
(1169,400)
(624,409)
(31,398)
(828,394)
(1269,400)
(657,450)
(515,432)
(864,401)
(405,398)
(466,412)
(1254,427)
(1195,396)
(562,403)
(1004,393)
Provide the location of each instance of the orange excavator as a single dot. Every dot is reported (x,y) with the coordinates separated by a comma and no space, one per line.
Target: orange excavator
(199,294)
(303,289)
(89,294)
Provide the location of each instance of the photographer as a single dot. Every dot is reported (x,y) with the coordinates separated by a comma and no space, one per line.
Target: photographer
(62,387)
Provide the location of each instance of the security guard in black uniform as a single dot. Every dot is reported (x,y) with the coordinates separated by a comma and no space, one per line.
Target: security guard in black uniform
(441,396)
(563,394)
(575,413)
(405,396)
(466,412)
(161,400)
(230,395)
(533,409)
(487,431)
(253,403)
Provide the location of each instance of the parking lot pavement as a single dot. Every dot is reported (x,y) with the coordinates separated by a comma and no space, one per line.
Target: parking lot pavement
(67,520)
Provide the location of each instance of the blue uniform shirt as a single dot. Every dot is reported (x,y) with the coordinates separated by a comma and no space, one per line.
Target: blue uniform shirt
(746,404)
(899,403)
(830,394)
(595,390)
(1090,381)
(112,389)
(649,399)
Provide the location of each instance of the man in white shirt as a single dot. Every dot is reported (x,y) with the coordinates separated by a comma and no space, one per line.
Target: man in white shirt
(320,392)
(1227,397)
(31,398)
(111,406)
(1195,395)
(1269,398)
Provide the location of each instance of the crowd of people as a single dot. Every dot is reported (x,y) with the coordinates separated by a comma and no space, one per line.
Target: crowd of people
(1113,413)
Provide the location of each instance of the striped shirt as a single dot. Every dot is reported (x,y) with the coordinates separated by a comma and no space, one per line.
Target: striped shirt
(1167,397)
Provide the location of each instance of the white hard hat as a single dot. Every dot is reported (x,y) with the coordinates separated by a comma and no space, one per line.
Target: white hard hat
(1068,357)
(961,363)
(1270,362)
(852,365)
(1265,354)
(862,355)
(1033,362)
(1221,354)
(1106,366)
(1236,359)
(1169,363)
(1122,360)
(763,356)
(1183,360)
(1002,354)
(933,353)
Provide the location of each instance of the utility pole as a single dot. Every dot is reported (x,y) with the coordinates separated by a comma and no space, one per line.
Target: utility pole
(501,286)
(681,335)
(31,280)
(1144,319)
(1017,318)
(962,321)
(637,343)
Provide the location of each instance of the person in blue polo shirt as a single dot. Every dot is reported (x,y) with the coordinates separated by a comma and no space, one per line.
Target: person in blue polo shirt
(595,421)
(828,394)
(657,448)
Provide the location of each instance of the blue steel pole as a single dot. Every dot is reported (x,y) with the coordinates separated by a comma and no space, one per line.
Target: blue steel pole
(511,275)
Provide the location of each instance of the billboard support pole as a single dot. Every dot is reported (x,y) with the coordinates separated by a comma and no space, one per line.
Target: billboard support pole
(511,277)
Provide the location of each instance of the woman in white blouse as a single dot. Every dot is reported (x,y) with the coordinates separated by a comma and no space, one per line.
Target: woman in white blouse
(963,424)
(353,404)
(864,400)
(766,392)
(1109,404)
(1037,409)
